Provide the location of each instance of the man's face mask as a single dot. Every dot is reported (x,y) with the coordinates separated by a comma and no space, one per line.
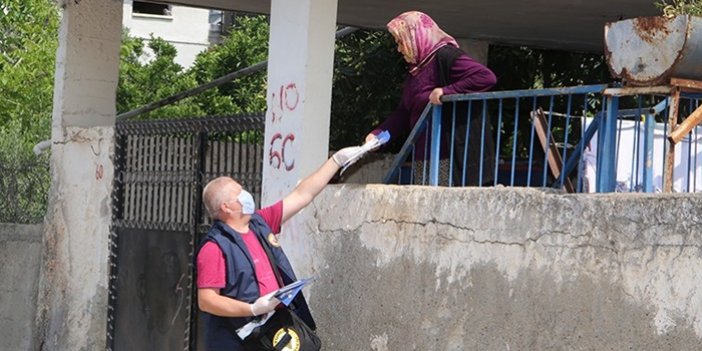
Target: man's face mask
(248,206)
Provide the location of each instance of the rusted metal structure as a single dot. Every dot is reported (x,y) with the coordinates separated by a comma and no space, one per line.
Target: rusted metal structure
(658,55)
(649,51)
(676,89)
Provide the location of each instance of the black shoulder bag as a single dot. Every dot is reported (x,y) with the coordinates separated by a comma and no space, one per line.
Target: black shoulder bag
(283,330)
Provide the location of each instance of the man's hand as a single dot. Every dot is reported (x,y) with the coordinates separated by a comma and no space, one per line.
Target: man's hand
(347,155)
(264,304)
(435,96)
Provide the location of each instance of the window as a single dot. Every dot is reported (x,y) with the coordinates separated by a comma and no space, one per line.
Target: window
(148,8)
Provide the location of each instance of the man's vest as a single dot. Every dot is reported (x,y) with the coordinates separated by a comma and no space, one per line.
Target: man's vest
(241,284)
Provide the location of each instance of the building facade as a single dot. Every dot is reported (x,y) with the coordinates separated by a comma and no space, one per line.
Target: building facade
(189,29)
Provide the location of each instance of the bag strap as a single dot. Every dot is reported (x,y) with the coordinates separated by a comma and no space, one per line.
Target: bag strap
(272,260)
(283,342)
(445,58)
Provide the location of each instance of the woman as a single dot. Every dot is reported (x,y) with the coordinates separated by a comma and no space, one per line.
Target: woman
(436,67)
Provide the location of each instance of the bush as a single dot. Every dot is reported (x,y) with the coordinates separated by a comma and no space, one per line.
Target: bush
(680,7)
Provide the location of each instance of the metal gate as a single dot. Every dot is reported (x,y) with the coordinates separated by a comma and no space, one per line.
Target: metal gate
(158,219)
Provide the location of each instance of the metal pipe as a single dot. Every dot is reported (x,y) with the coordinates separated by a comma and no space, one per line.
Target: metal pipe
(686,126)
(215,83)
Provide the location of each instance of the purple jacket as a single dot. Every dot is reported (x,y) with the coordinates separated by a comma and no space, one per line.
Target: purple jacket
(467,76)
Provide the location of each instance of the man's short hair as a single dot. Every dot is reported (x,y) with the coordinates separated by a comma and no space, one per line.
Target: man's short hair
(215,193)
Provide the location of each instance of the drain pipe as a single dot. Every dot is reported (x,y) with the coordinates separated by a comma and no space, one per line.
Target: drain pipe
(41,146)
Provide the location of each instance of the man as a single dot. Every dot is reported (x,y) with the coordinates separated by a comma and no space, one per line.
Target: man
(235,277)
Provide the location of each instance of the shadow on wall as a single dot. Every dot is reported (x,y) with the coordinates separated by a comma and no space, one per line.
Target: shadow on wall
(433,268)
(369,170)
(20,261)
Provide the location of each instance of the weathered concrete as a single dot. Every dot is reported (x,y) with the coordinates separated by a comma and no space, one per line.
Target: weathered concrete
(20,255)
(371,169)
(72,308)
(415,268)
(300,67)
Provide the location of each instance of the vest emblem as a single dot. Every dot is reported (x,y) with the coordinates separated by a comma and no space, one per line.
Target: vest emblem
(273,240)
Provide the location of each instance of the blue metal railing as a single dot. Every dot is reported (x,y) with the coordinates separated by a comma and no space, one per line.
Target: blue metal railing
(509,153)
(638,160)
(580,139)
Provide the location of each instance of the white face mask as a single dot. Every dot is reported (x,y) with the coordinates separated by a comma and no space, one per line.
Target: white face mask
(248,206)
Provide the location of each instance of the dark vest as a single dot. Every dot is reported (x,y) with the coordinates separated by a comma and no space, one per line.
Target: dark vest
(241,284)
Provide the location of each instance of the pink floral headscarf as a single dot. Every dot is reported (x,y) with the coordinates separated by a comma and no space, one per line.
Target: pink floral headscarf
(420,36)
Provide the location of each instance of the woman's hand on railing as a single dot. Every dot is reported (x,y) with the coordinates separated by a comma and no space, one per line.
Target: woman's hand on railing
(435,96)
(369,137)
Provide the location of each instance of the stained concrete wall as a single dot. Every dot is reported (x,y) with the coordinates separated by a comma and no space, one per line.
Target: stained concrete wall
(415,268)
(20,255)
(73,286)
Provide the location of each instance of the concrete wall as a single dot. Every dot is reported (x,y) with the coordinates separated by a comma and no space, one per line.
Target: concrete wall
(468,269)
(414,268)
(371,169)
(20,256)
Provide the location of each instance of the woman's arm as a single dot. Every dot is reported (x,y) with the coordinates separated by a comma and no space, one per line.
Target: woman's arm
(397,123)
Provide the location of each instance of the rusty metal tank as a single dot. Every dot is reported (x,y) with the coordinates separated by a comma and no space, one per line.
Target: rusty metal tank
(649,51)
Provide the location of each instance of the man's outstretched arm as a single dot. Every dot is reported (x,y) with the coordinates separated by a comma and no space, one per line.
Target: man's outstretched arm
(308,188)
(313,184)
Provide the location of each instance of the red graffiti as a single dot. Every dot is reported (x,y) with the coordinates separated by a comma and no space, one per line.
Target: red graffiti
(286,98)
(276,154)
(290,92)
(99,172)
(290,138)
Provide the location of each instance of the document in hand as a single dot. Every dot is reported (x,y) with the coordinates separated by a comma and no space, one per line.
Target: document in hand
(287,293)
(380,139)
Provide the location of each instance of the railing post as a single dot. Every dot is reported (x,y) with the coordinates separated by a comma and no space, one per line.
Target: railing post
(670,155)
(434,151)
(649,125)
(607,147)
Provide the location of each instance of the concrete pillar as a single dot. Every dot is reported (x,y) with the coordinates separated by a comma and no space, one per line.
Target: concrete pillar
(72,310)
(300,64)
(476,49)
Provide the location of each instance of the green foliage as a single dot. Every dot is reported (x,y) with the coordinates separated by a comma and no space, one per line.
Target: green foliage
(142,83)
(368,75)
(526,68)
(246,45)
(24,177)
(28,42)
(674,8)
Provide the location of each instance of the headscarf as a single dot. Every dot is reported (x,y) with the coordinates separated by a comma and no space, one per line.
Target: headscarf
(420,36)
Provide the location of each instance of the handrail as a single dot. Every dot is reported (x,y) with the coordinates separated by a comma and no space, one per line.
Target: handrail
(422,123)
(506,94)
(404,151)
